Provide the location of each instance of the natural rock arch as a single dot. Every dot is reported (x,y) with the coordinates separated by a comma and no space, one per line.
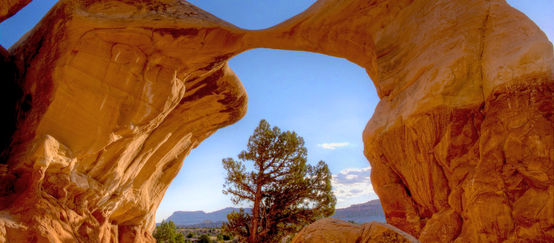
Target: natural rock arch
(116,93)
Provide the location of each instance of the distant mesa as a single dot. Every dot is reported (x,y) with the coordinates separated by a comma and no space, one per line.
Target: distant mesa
(362,213)
(358,213)
(201,218)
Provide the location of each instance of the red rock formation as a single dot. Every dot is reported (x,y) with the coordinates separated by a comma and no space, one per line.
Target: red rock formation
(461,142)
(10,7)
(116,93)
(335,230)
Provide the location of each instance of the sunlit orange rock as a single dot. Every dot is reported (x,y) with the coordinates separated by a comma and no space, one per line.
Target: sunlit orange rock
(461,141)
(106,98)
(335,230)
(115,95)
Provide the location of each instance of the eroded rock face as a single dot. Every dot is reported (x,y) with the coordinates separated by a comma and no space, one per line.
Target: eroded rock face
(336,230)
(472,117)
(461,142)
(114,94)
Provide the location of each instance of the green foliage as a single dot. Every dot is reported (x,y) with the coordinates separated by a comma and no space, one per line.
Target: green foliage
(204,239)
(190,235)
(167,232)
(286,192)
(224,236)
(180,238)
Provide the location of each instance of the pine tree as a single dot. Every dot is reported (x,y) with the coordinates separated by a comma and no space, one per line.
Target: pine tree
(286,193)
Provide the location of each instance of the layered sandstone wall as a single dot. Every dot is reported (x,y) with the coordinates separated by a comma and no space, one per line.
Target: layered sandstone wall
(114,94)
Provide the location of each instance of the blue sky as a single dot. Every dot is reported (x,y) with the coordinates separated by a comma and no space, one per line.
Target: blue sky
(326,100)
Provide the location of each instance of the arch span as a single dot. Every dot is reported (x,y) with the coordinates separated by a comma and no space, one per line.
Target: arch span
(121,91)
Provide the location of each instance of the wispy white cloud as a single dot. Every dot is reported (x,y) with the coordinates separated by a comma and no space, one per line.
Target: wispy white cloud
(353,176)
(333,146)
(352,183)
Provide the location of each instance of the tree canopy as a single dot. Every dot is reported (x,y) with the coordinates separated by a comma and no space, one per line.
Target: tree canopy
(167,232)
(285,191)
(204,239)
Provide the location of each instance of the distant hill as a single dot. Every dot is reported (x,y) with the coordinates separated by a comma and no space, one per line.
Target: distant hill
(359,213)
(205,225)
(190,218)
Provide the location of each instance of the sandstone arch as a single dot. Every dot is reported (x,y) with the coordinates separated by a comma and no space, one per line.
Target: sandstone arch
(116,93)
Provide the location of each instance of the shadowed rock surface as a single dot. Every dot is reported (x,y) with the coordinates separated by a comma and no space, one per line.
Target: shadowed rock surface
(114,94)
(10,7)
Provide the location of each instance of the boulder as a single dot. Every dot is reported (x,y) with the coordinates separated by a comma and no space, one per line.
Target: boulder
(337,231)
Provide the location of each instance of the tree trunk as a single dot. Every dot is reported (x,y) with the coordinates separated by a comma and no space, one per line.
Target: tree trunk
(255,214)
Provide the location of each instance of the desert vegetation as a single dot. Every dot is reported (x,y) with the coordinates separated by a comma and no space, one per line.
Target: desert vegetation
(286,192)
(168,232)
